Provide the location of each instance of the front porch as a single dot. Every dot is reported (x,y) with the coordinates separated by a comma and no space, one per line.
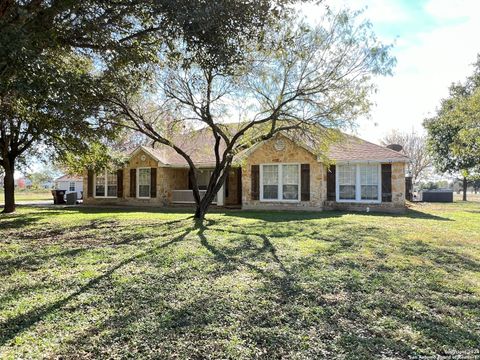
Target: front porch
(228,195)
(186,196)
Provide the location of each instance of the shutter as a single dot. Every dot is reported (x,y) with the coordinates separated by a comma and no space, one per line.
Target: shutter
(153,182)
(305,182)
(331,183)
(133,183)
(120,183)
(255,184)
(90,183)
(386,182)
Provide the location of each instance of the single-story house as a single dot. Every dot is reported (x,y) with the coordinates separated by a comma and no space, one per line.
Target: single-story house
(279,173)
(70,184)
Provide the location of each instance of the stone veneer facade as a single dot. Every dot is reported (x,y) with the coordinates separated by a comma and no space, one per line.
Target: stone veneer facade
(169,179)
(292,153)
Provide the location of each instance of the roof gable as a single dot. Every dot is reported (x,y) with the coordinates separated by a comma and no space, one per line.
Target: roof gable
(148,151)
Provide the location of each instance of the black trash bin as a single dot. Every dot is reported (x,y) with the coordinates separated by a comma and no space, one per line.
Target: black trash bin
(58,197)
(71,198)
(437,195)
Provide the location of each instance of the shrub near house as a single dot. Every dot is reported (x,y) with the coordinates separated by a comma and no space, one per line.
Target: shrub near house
(276,174)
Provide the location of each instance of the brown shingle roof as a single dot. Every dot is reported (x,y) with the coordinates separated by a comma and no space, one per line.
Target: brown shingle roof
(199,145)
(356,149)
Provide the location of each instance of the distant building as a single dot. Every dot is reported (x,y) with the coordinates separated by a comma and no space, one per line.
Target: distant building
(22,183)
(70,184)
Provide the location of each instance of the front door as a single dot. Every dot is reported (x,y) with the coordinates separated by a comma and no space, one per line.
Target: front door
(233,187)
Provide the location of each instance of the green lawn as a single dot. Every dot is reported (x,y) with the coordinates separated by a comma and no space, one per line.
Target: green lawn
(28,195)
(92,283)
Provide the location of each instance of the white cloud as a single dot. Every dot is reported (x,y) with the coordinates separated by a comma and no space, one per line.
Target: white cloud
(426,68)
(448,9)
(427,61)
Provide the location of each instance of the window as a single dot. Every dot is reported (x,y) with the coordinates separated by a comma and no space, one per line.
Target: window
(290,182)
(358,183)
(203,178)
(144,182)
(105,184)
(369,182)
(280,182)
(270,182)
(346,182)
(100,185)
(111,185)
(71,186)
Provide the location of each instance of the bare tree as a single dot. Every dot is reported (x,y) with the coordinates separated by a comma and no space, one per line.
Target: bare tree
(414,146)
(296,78)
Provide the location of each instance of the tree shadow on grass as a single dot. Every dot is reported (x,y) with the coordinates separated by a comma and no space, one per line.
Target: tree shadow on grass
(83,238)
(284,312)
(251,295)
(286,216)
(446,259)
(13,326)
(16,221)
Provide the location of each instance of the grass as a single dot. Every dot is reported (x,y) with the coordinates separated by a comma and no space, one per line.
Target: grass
(29,195)
(93,283)
(470,196)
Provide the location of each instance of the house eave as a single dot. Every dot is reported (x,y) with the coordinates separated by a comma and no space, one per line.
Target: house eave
(372,161)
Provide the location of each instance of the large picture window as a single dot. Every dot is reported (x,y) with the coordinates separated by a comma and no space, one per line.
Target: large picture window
(144,182)
(106,184)
(280,182)
(358,183)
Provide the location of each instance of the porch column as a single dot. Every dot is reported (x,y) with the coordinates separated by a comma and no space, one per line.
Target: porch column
(221,196)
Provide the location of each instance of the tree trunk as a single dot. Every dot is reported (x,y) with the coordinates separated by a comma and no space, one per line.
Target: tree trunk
(200,211)
(9,187)
(465,186)
(216,182)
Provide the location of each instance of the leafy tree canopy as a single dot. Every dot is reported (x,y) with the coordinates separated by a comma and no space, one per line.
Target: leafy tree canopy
(56,58)
(454,132)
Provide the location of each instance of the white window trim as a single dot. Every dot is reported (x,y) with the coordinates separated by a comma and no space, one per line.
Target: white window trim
(105,174)
(280,184)
(70,186)
(358,188)
(138,183)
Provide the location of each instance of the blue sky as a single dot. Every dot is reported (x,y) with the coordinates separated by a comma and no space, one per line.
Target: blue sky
(435,43)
